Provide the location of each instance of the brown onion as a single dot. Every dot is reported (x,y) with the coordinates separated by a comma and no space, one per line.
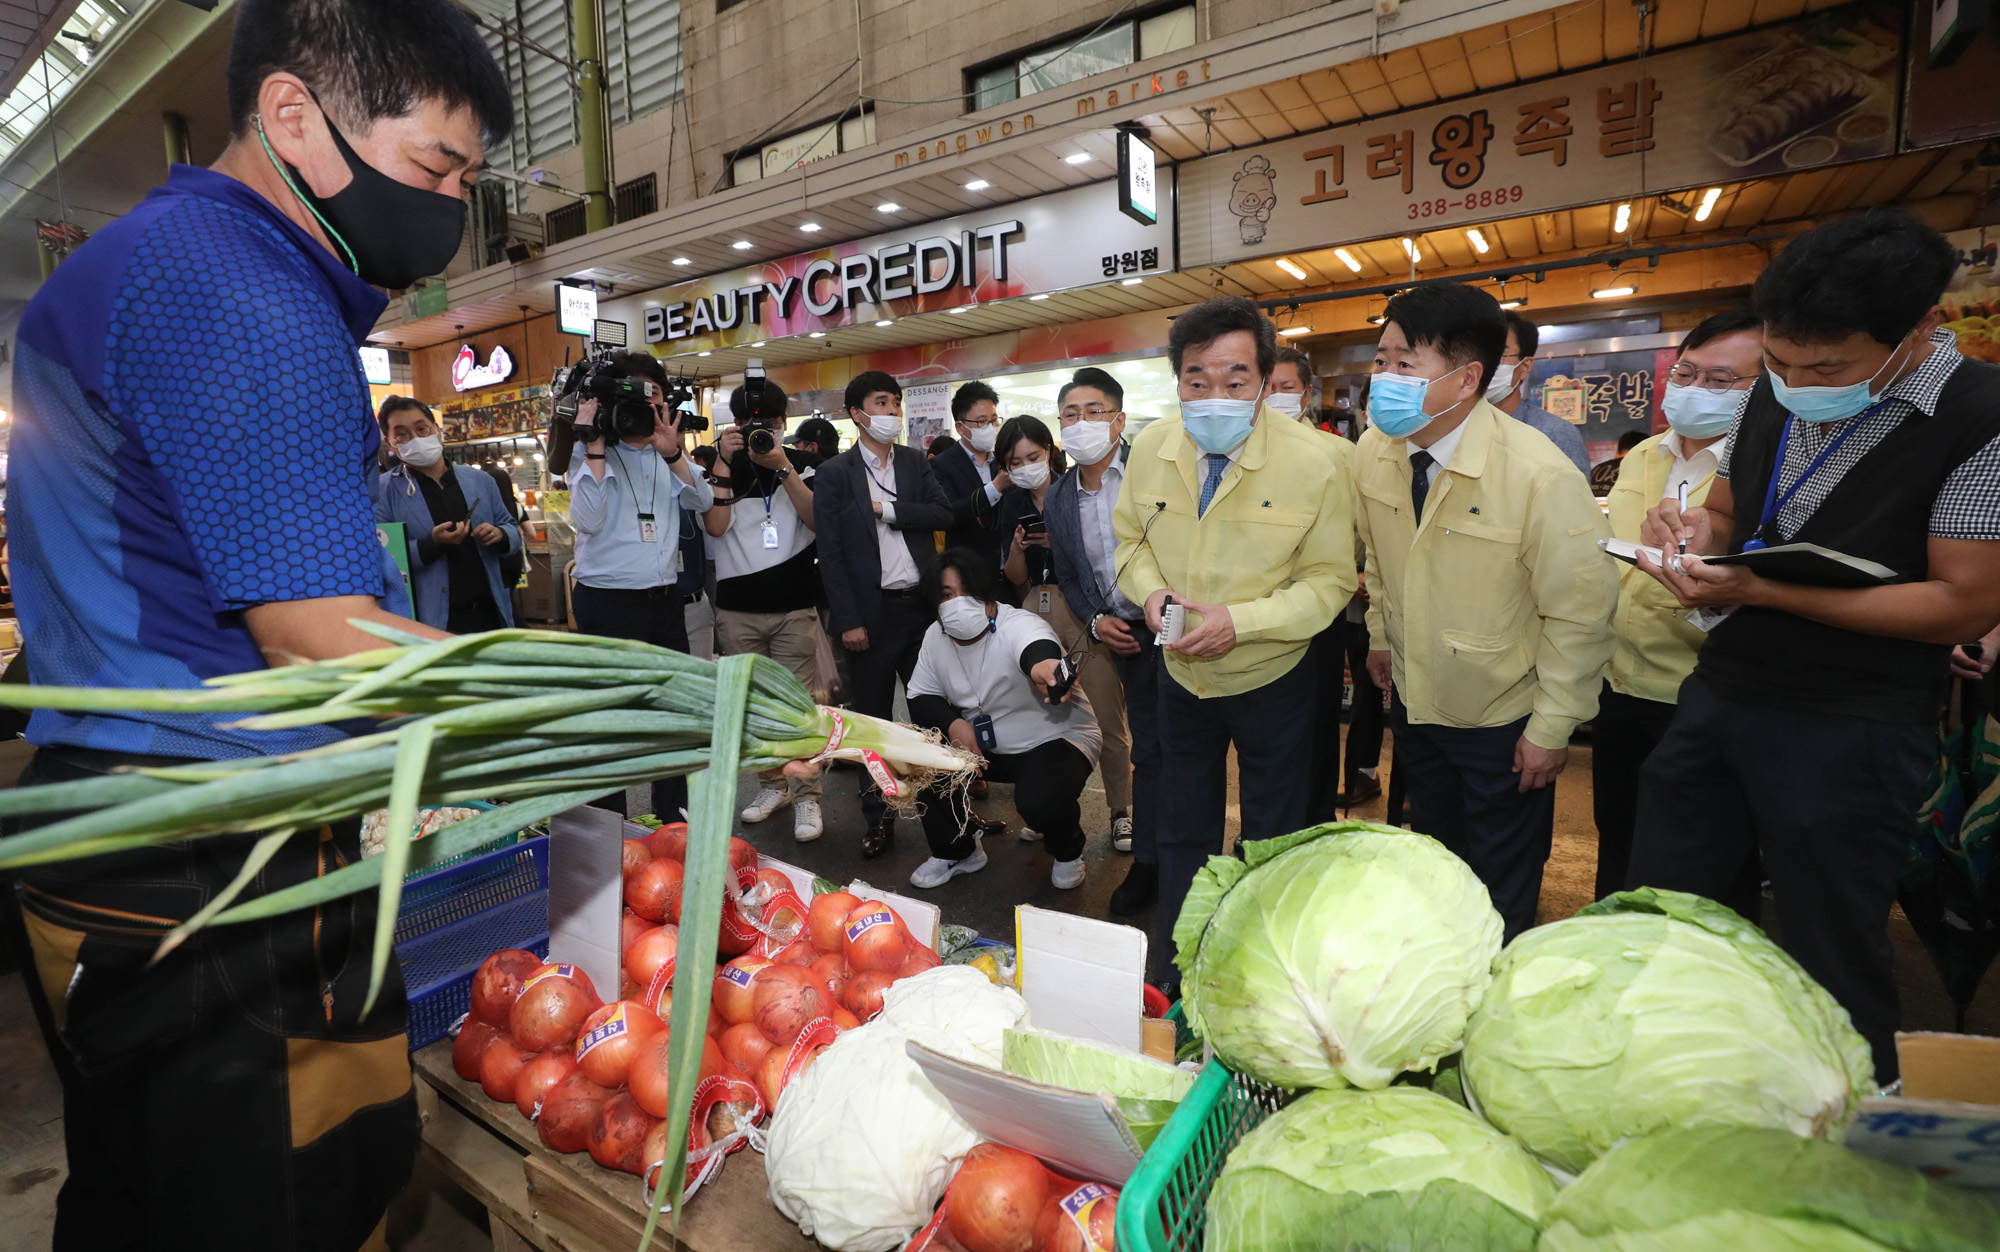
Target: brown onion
(541,1074)
(471,1044)
(873,938)
(786,998)
(654,891)
(498,982)
(995,1199)
(500,1069)
(1057,1231)
(669,841)
(569,1110)
(826,916)
(745,1046)
(551,1006)
(735,989)
(611,1037)
(653,949)
(863,996)
(618,1136)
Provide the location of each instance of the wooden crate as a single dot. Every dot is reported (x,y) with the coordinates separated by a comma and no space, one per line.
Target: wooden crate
(566,1202)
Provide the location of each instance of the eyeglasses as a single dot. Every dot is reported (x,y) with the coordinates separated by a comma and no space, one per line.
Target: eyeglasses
(1095,412)
(969,424)
(1707,380)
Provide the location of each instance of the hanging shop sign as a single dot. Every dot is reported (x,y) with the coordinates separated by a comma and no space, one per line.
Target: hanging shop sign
(467,374)
(576,309)
(1812,93)
(1073,238)
(375,365)
(1138,185)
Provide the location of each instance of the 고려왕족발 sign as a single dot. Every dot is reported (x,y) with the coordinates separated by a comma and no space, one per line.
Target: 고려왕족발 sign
(1808,94)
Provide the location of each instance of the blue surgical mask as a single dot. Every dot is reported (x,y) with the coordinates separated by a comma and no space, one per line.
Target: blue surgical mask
(1829,404)
(1698,413)
(1396,402)
(1218,425)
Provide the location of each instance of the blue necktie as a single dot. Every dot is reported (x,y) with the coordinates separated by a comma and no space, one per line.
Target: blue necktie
(1420,481)
(1218,465)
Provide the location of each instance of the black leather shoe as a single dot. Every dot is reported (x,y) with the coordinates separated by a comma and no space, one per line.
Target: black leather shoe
(991,827)
(1360,789)
(976,789)
(876,841)
(1140,888)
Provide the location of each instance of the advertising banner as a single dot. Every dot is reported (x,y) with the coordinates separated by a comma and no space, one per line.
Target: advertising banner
(1604,395)
(1074,238)
(926,413)
(1808,94)
(1972,300)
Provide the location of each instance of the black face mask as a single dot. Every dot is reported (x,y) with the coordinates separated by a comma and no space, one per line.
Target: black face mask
(391,233)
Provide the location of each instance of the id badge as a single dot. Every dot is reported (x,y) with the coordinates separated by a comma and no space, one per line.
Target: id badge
(770,536)
(1042,601)
(680,560)
(648,531)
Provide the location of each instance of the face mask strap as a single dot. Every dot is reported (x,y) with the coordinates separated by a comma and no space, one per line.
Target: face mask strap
(279,166)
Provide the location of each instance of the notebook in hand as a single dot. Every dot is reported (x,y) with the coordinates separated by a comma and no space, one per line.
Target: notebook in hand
(1806,563)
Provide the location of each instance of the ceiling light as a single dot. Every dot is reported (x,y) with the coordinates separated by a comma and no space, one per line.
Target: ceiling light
(702,354)
(1514,302)
(1410,249)
(963,308)
(1374,319)
(1623,221)
(1611,284)
(887,321)
(758,344)
(810,228)
(1132,282)
(1612,293)
(1076,158)
(1347,259)
(1708,199)
(1477,240)
(1289,331)
(681,260)
(818,334)
(977,184)
(1291,267)
(1043,296)
(888,206)
(741,245)
(519,461)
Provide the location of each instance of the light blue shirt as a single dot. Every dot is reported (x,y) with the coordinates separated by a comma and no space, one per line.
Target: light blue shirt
(1565,436)
(611,550)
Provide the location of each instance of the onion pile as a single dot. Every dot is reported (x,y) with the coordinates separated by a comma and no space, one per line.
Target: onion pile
(1004,1200)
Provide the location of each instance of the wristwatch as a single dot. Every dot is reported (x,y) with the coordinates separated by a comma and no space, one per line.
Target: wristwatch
(1093,628)
(781,475)
(674,458)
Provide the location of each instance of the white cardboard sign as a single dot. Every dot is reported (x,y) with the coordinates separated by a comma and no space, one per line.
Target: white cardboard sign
(1080,1133)
(1082,977)
(587,893)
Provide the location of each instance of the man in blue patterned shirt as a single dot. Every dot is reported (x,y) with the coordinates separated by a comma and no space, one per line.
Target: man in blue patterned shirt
(189,497)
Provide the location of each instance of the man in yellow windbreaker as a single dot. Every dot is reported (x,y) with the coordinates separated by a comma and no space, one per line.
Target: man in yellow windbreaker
(1490,602)
(1242,514)
(1720,360)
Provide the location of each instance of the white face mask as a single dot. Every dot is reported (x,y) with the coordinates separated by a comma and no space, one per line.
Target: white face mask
(423,451)
(1290,403)
(964,618)
(884,427)
(981,437)
(1089,442)
(1033,475)
(1502,385)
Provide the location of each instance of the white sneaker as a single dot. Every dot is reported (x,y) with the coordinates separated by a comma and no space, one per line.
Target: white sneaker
(768,801)
(1029,835)
(937,871)
(1121,833)
(806,825)
(1067,874)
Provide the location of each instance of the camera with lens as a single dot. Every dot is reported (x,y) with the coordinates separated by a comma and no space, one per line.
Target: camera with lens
(759,407)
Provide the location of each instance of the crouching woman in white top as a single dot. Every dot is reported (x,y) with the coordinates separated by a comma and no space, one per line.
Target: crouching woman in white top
(984,674)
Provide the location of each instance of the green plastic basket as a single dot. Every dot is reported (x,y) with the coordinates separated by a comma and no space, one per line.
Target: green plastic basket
(1164,1206)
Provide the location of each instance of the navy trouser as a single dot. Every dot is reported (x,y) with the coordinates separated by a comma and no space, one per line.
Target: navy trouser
(1830,801)
(1464,793)
(654,616)
(1349,641)
(1272,733)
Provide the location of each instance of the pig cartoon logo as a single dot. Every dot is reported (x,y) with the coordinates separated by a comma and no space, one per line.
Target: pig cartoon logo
(1254,197)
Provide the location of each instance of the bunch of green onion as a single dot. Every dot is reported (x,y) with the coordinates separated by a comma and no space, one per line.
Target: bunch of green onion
(539,721)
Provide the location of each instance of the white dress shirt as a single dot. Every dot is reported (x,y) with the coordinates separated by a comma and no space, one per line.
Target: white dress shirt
(1690,470)
(1441,453)
(1100,541)
(899,569)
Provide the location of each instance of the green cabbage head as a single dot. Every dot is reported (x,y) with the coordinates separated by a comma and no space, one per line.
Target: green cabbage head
(1339,956)
(1652,1010)
(1754,1189)
(1396,1170)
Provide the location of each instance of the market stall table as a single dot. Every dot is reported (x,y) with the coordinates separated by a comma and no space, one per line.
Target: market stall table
(537,1197)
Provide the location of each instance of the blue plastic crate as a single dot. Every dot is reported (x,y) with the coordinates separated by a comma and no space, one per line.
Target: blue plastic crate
(453,918)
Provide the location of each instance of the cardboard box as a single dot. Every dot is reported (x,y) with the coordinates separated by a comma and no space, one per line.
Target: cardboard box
(1946,1122)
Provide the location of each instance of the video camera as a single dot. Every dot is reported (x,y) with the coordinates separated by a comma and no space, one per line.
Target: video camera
(624,404)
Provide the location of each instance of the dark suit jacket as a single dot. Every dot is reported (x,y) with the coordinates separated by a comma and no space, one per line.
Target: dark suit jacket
(963,486)
(1075,575)
(850,562)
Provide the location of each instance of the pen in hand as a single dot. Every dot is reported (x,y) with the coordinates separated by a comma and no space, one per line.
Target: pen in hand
(1680,524)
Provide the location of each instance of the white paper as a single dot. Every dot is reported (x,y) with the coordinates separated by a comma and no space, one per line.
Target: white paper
(1080,1134)
(586,893)
(1082,977)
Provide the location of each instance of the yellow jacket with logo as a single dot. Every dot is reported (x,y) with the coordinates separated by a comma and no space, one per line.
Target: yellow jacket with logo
(1656,645)
(1498,605)
(1276,545)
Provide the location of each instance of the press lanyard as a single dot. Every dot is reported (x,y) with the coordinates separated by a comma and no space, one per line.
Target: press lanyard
(770,526)
(1773,502)
(866,469)
(648,529)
